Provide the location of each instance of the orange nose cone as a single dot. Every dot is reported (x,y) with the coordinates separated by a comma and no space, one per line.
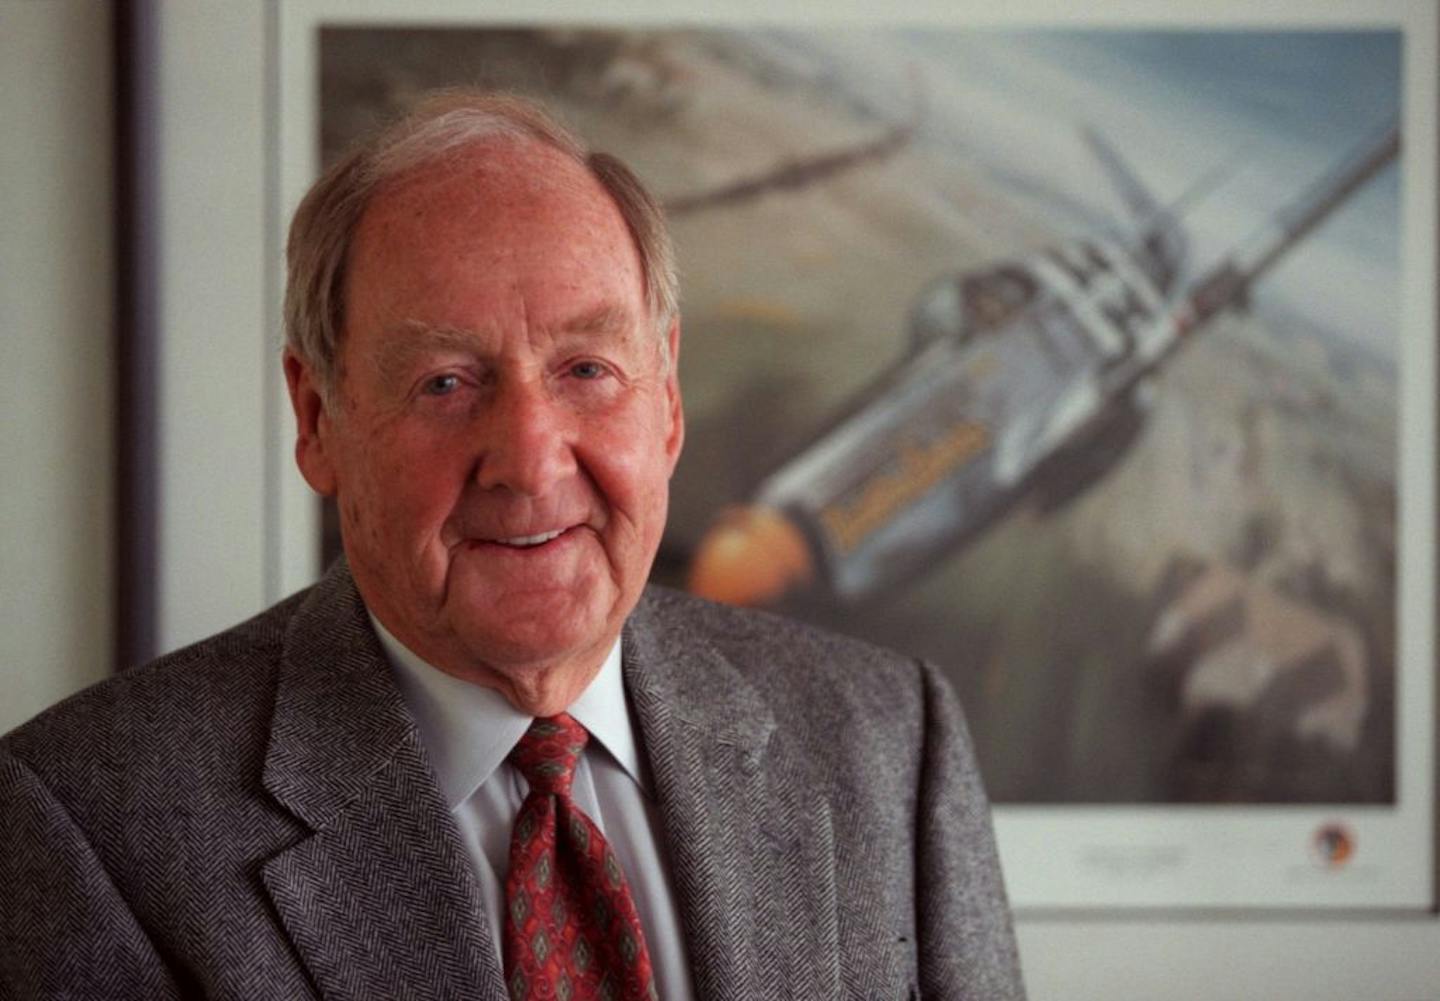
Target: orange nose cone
(750,556)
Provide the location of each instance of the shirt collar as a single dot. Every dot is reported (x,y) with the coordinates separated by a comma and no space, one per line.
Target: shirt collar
(469,729)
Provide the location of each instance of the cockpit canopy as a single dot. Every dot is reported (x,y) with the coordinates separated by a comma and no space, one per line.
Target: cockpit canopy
(972,303)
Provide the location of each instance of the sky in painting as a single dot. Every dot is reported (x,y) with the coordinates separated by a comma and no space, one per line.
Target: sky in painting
(1270,111)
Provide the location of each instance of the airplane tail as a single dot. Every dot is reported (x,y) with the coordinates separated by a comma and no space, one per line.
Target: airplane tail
(1132,190)
(1160,244)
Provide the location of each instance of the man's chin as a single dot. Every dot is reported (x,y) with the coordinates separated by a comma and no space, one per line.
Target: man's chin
(524,615)
(532,631)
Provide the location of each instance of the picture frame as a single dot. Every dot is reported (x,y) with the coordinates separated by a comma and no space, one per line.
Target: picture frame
(227,189)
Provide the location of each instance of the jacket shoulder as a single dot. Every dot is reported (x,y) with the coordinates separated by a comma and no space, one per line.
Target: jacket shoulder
(792,663)
(195,694)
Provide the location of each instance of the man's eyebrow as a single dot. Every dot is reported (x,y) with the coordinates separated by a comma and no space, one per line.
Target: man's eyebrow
(603,319)
(418,338)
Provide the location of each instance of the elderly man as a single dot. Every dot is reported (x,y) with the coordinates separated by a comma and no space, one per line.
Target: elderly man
(480,759)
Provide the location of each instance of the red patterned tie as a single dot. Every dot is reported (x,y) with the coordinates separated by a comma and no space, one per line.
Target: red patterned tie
(571,931)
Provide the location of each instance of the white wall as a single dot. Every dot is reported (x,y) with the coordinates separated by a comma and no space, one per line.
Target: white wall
(56,305)
(212,408)
(1231,959)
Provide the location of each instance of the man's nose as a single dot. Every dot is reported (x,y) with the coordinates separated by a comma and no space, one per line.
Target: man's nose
(527,441)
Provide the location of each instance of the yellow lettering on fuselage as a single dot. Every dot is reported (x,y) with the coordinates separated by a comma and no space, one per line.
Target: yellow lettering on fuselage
(917,468)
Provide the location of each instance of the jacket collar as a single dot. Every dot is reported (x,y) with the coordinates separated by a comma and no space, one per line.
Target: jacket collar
(380,900)
(339,719)
(732,808)
(385,862)
(679,683)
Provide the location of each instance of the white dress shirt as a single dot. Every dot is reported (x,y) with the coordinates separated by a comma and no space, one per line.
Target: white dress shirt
(468,731)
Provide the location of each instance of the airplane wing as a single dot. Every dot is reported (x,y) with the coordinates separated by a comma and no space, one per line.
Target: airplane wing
(1228,283)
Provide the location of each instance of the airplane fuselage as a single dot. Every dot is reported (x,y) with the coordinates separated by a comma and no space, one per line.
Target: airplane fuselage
(945,439)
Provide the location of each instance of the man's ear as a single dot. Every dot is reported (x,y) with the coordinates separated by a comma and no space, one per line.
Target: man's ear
(675,417)
(314,441)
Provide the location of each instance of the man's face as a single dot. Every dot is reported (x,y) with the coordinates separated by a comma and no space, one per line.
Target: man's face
(506,427)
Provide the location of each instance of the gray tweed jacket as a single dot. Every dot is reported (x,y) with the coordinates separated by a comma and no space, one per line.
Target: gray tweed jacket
(254,817)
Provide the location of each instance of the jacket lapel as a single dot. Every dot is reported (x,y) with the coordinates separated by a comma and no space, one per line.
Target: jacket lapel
(380,900)
(749,840)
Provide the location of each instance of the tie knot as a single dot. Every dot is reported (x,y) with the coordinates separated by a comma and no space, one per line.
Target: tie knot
(546,755)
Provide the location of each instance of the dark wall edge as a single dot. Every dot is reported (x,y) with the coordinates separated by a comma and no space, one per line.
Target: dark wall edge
(137,465)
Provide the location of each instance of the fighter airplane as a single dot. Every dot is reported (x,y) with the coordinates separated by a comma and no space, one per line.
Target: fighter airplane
(1028,379)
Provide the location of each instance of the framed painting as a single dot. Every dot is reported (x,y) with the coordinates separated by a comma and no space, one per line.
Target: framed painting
(1089,356)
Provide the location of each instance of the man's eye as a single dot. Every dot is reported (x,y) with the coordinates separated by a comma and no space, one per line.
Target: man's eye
(441,385)
(587,370)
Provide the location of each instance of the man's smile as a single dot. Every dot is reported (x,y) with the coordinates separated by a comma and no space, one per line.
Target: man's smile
(526,541)
(543,540)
